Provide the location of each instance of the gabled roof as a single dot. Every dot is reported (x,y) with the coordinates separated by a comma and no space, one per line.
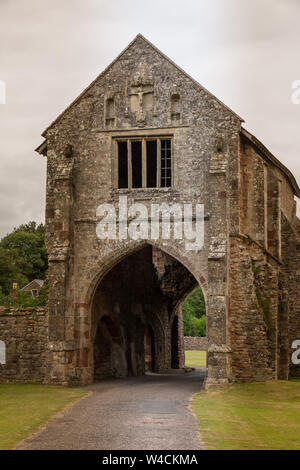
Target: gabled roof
(139,36)
(268,156)
(40,282)
(42,148)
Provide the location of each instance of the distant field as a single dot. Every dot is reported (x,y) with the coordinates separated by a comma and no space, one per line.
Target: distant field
(195,358)
(24,408)
(259,416)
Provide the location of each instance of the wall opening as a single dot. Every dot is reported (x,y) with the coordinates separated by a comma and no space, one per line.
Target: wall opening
(136,162)
(166,169)
(122,165)
(110,112)
(144,163)
(175,108)
(2,352)
(135,325)
(194,328)
(151,163)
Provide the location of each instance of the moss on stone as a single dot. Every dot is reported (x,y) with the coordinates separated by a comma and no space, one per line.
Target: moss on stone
(263,303)
(264,306)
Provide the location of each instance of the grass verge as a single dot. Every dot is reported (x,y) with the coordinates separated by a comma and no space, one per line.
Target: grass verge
(263,416)
(25,407)
(195,358)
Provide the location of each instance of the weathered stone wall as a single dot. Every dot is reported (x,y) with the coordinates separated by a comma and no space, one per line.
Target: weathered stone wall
(289,292)
(205,170)
(252,311)
(177,338)
(243,194)
(195,343)
(263,274)
(25,334)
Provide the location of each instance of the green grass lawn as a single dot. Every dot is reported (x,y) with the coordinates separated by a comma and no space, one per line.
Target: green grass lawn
(195,358)
(250,416)
(25,407)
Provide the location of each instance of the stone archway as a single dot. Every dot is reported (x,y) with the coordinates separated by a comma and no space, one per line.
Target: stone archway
(116,253)
(139,293)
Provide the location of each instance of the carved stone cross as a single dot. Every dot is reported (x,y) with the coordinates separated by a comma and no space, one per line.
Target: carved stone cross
(140,92)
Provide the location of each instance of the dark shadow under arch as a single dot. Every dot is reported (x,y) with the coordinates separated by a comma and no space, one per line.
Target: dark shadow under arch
(141,291)
(113,258)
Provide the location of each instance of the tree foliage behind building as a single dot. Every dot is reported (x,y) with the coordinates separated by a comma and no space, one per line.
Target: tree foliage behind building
(193,309)
(23,256)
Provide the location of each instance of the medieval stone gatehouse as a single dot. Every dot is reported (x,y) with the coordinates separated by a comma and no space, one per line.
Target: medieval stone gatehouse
(146,130)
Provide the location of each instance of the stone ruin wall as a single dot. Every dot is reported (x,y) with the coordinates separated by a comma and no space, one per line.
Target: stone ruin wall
(289,298)
(195,343)
(25,334)
(252,312)
(264,295)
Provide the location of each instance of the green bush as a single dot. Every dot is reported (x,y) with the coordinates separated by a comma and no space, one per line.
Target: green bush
(24,299)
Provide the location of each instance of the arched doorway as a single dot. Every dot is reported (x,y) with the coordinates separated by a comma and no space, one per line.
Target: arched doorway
(133,318)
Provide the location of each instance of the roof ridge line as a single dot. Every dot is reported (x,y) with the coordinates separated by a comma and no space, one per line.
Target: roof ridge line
(92,83)
(269,155)
(139,35)
(188,75)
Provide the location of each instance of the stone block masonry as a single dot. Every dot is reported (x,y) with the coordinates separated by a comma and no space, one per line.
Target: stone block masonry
(25,337)
(195,343)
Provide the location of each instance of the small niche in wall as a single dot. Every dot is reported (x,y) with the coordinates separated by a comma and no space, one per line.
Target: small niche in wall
(175,108)
(110,111)
(2,352)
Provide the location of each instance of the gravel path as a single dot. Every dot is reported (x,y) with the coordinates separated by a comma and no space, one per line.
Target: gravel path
(147,413)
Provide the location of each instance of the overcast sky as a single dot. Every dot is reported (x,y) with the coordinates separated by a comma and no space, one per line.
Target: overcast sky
(246,53)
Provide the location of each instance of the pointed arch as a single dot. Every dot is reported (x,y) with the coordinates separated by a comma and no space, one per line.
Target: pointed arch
(114,257)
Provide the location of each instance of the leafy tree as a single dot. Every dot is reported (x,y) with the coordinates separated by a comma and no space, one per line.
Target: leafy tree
(194,303)
(2,297)
(23,256)
(194,319)
(9,270)
(32,227)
